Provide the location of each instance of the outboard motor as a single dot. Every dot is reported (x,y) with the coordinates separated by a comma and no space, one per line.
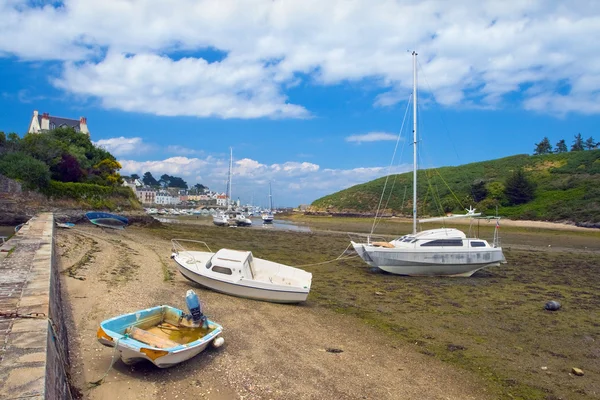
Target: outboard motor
(193,303)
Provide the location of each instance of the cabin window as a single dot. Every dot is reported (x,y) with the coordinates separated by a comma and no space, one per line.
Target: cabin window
(477,244)
(222,270)
(443,242)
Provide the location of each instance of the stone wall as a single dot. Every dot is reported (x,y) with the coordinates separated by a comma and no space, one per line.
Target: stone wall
(8,185)
(34,356)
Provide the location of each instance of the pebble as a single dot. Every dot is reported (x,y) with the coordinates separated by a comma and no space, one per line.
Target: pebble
(577,371)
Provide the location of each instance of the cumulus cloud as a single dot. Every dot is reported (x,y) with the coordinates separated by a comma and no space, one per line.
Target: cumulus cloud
(371,137)
(475,53)
(292,182)
(121,146)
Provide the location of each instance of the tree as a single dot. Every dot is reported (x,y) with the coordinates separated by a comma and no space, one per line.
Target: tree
(200,188)
(177,182)
(106,170)
(135,176)
(518,189)
(577,143)
(149,180)
(67,169)
(165,181)
(561,146)
(478,190)
(590,144)
(543,147)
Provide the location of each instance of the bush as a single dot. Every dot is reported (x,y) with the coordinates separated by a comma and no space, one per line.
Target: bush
(33,173)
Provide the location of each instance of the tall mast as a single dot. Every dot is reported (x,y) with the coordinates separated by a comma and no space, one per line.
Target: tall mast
(230,174)
(270,198)
(414,54)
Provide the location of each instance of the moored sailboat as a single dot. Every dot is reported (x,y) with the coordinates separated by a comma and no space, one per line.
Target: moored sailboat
(433,252)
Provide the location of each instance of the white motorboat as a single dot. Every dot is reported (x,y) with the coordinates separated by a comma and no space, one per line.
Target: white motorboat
(438,252)
(241,219)
(239,273)
(221,218)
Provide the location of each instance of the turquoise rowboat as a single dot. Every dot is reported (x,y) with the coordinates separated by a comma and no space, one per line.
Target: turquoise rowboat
(159,335)
(107,220)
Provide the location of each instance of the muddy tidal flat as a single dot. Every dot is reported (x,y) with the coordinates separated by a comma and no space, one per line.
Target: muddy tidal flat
(484,337)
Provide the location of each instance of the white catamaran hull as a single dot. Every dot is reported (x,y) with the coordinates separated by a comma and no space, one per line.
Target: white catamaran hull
(432,263)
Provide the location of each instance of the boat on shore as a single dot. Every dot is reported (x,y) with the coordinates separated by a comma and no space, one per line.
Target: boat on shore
(434,252)
(107,220)
(161,335)
(239,273)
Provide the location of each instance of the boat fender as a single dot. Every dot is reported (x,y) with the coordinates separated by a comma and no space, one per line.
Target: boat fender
(193,303)
(173,255)
(218,342)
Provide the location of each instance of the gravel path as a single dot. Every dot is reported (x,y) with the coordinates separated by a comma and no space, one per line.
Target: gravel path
(271,351)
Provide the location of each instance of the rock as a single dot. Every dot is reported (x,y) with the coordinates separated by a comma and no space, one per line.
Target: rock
(379,293)
(552,306)
(577,371)
(334,350)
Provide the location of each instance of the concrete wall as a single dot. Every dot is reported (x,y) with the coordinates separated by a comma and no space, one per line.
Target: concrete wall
(34,356)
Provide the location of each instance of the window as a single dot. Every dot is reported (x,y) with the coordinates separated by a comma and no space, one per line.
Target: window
(443,242)
(222,270)
(477,244)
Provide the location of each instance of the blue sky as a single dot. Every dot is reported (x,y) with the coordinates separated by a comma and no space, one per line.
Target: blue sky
(309,94)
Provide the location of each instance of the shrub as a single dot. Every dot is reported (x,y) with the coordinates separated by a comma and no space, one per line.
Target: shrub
(34,173)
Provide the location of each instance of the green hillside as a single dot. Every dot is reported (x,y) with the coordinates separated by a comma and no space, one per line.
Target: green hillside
(565,187)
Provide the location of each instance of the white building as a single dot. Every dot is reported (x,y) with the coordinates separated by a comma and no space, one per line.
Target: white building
(46,122)
(165,198)
(222,200)
(146,195)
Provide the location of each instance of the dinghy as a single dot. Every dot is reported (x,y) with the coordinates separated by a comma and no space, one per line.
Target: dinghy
(163,335)
(239,273)
(107,220)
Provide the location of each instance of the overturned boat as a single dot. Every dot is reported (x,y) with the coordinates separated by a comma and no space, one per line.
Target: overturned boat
(239,273)
(107,220)
(163,335)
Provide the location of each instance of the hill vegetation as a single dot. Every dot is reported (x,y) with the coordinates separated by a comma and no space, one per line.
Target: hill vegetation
(64,164)
(562,186)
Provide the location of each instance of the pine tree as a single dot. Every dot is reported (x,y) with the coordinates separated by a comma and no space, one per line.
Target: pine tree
(577,143)
(543,147)
(561,146)
(590,144)
(518,189)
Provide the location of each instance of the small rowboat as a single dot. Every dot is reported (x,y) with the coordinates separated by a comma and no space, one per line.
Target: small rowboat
(161,335)
(107,220)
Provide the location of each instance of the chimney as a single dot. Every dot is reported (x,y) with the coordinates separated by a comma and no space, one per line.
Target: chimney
(83,126)
(45,122)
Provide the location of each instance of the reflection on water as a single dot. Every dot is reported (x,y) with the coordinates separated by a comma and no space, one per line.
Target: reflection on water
(257,223)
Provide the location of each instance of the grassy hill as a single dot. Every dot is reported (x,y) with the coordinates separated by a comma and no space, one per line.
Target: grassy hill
(567,188)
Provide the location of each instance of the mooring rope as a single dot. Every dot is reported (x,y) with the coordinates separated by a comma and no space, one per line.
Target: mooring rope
(340,257)
(112,362)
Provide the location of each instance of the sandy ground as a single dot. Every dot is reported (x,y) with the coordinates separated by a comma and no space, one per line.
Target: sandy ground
(271,351)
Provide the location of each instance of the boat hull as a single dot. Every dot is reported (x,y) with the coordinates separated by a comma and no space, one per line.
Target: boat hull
(238,290)
(432,263)
(107,220)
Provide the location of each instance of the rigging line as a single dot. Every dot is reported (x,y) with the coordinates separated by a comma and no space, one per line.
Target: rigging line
(446,130)
(391,163)
(450,189)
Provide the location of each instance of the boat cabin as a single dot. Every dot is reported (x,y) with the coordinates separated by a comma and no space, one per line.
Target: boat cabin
(235,264)
(442,237)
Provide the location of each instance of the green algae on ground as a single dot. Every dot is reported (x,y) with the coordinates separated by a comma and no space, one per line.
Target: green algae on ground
(493,323)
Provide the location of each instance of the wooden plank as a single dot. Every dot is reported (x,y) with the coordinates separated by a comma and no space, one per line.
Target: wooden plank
(150,338)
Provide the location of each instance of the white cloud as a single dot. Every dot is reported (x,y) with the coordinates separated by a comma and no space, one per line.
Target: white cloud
(472,53)
(183,150)
(292,182)
(371,137)
(121,146)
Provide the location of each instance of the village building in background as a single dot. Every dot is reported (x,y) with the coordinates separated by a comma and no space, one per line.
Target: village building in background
(46,122)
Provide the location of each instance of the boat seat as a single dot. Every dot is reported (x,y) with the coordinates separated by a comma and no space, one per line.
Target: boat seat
(150,338)
(383,244)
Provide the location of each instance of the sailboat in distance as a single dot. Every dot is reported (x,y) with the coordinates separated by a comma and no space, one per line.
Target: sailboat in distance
(433,252)
(267,216)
